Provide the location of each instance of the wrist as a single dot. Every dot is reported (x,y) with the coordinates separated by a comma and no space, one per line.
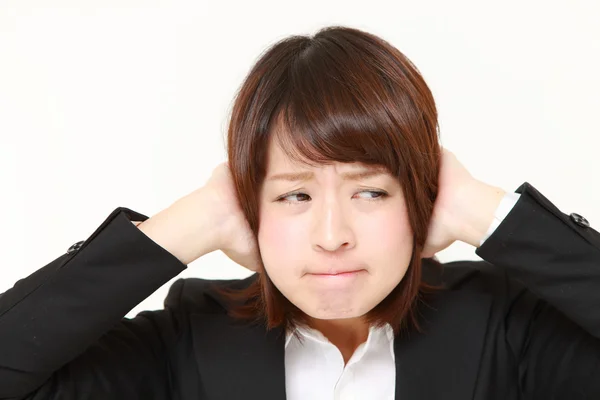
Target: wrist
(480,202)
(184,229)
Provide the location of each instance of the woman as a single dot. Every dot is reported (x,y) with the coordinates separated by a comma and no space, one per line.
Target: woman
(338,194)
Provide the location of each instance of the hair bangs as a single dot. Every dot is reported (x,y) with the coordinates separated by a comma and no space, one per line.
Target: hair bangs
(327,114)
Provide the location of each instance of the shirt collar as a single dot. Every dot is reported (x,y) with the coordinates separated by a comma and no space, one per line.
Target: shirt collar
(316,335)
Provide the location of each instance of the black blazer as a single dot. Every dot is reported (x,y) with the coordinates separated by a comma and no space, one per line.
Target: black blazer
(523,324)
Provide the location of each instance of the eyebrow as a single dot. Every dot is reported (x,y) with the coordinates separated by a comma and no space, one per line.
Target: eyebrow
(347,176)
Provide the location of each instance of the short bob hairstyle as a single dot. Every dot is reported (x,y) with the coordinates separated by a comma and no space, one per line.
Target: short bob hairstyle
(341,95)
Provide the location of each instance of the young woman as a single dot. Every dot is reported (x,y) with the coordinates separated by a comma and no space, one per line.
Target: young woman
(337,194)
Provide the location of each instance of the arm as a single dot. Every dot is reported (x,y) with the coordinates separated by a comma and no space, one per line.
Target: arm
(62,331)
(553,327)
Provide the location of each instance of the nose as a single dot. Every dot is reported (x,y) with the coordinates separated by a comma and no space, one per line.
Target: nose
(331,227)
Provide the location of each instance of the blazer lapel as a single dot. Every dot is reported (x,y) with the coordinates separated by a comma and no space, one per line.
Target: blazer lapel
(238,362)
(442,362)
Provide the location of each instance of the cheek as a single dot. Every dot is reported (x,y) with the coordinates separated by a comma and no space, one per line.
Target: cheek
(388,232)
(278,239)
(388,243)
(378,235)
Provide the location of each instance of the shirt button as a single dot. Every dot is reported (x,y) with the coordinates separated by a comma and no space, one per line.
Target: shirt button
(75,247)
(579,220)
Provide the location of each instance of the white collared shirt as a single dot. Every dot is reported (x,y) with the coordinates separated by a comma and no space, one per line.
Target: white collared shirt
(315,369)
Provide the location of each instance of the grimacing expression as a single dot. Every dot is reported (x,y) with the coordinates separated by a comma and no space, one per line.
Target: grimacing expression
(330,219)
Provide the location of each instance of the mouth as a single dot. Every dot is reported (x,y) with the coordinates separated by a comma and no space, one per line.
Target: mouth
(337,273)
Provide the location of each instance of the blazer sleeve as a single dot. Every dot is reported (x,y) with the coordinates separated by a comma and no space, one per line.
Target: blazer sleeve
(553,324)
(63,334)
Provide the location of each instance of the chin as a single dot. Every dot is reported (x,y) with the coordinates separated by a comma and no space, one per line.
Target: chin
(336,313)
(338,316)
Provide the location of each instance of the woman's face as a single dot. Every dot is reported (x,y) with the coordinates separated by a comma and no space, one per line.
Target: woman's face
(324,223)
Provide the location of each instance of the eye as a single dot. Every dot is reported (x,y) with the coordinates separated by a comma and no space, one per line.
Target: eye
(377,194)
(303,197)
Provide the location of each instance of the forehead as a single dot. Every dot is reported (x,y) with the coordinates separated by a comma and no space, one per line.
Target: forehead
(278,160)
(283,168)
(277,157)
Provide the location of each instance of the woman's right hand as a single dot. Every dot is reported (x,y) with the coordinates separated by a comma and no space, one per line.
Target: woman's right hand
(235,239)
(210,218)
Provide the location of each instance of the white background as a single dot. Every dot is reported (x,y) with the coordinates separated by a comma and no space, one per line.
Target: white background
(125,103)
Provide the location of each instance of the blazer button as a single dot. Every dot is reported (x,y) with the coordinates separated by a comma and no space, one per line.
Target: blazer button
(579,220)
(75,247)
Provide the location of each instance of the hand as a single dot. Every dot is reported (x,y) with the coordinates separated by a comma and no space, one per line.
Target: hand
(235,238)
(208,219)
(464,207)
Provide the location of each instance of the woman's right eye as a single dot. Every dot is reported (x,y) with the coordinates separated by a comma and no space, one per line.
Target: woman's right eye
(299,194)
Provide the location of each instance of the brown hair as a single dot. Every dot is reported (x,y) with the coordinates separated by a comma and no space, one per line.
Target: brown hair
(341,95)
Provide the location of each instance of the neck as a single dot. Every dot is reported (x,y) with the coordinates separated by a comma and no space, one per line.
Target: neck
(345,334)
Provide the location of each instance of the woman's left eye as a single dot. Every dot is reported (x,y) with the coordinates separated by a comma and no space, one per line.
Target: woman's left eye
(376,195)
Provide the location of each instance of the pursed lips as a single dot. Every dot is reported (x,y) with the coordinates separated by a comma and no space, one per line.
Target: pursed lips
(333,272)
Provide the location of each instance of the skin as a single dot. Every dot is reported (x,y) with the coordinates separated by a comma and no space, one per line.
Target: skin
(326,221)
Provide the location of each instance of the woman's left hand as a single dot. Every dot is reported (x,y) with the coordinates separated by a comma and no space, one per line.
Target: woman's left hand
(464,207)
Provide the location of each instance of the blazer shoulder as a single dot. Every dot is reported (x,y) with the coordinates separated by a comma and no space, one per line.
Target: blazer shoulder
(196,295)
